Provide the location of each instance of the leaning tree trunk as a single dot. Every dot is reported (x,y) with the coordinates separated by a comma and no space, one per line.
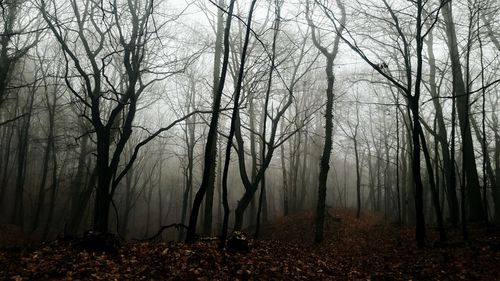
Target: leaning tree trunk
(453,207)
(210,156)
(232,130)
(207,222)
(476,211)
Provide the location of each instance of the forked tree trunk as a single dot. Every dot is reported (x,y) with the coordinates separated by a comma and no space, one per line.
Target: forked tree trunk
(327,148)
(210,156)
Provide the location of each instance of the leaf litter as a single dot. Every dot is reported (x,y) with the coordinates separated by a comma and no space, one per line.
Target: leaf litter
(354,249)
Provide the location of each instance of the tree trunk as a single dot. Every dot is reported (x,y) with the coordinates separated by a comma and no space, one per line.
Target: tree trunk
(103,197)
(7,165)
(83,184)
(453,207)
(327,149)
(496,189)
(210,157)
(207,227)
(53,193)
(51,107)
(251,185)
(358,179)
(489,170)
(476,211)
(284,173)
(22,154)
(434,189)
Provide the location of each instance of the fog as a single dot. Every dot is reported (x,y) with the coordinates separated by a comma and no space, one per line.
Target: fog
(107,113)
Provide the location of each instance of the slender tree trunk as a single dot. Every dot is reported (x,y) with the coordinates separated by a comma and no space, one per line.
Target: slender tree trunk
(83,185)
(207,227)
(267,147)
(325,159)
(483,117)
(253,154)
(434,189)
(53,193)
(327,148)
(6,167)
(417,177)
(22,154)
(209,160)
(234,123)
(261,202)
(476,211)
(45,169)
(286,207)
(491,33)
(51,107)
(219,183)
(304,174)
(358,179)
(398,184)
(488,168)
(453,207)
(496,189)
(185,196)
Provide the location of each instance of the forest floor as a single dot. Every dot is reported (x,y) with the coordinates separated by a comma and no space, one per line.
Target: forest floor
(364,249)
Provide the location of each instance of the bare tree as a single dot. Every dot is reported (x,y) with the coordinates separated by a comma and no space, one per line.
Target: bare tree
(410,87)
(18,34)
(120,44)
(210,155)
(460,93)
(325,158)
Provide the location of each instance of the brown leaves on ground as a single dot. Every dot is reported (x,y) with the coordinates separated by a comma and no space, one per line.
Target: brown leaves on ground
(364,249)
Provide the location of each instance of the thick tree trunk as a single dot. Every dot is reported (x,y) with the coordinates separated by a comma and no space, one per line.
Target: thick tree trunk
(104,176)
